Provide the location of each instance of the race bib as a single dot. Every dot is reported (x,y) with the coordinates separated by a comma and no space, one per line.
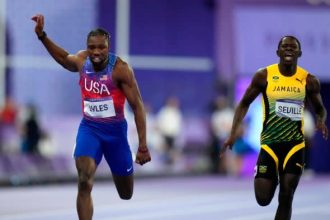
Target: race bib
(288,108)
(99,109)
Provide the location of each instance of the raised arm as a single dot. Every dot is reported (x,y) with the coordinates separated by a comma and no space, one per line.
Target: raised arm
(313,89)
(125,79)
(257,85)
(70,62)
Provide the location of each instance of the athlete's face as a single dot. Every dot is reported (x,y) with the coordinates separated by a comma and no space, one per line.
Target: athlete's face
(98,48)
(289,50)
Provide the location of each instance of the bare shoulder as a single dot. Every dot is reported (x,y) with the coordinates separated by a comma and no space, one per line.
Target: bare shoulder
(261,73)
(122,72)
(121,65)
(260,78)
(78,59)
(82,54)
(312,83)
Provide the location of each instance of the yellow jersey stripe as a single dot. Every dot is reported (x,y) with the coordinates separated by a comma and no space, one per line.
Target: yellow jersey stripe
(291,152)
(271,153)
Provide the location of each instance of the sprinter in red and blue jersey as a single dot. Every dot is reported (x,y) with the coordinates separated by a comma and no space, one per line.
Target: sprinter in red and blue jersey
(106,81)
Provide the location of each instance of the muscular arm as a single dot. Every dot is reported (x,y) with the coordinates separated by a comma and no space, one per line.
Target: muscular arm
(313,89)
(257,85)
(125,79)
(70,62)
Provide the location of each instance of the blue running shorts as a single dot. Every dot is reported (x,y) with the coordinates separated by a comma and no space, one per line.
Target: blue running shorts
(97,139)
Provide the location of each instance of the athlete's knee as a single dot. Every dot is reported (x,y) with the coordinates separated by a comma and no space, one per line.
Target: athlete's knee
(85,183)
(127,195)
(264,195)
(124,185)
(86,169)
(263,200)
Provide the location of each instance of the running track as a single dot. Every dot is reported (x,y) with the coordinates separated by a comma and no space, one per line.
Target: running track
(174,198)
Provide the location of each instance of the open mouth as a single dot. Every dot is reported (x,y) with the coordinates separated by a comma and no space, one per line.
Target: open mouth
(288,56)
(96,59)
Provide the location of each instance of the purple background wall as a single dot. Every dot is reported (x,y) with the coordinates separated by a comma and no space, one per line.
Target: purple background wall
(180,28)
(170,28)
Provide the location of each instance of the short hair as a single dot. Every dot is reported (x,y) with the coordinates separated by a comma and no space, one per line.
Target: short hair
(99,32)
(289,36)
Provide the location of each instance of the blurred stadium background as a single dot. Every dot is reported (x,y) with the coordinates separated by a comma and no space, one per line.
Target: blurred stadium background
(195,50)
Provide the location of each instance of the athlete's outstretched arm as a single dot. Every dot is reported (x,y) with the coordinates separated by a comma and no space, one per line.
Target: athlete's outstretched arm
(313,89)
(257,85)
(125,78)
(69,62)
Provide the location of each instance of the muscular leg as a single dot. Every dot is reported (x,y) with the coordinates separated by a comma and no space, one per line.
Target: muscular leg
(124,185)
(288,185)
(264,190)
(86,168)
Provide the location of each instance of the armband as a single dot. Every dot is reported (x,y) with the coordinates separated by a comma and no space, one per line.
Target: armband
(42,36)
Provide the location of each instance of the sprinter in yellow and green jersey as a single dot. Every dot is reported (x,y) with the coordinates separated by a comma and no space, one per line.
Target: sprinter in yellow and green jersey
(285,88)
